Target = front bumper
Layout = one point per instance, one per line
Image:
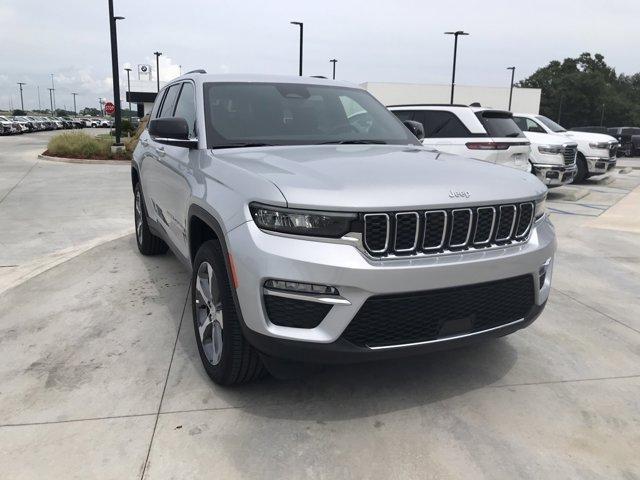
(259, 256)
(555, 175)
(600, 165)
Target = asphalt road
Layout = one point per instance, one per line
(100, 377)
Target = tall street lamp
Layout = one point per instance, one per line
(53, 89)
(128, 70)
(301, 25)
(51, 98)
(115, 71)
(513, 72)
(334, 61)
(20, 84)
(456, 34)
(157, 54)
(75, 109)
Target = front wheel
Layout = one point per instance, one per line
(226, 355)
(583, 171)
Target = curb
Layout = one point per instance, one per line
(86, 161)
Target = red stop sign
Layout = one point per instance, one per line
(109, 108)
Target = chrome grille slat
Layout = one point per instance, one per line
(569, 153)
(434, 232)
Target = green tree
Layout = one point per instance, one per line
(576, 91)
(18, 113)
(92, 112)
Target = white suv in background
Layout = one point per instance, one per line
(473, 132)
(596, 152)
(553, 157)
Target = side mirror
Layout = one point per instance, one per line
(172, 131)
(415, 127)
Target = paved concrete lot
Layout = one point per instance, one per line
(100, 377)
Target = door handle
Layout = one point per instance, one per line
(160, 151)
(144, 142)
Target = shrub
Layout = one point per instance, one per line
(81, 145)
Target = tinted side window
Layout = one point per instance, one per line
(186, 107)
(441, 124)
(170, 101)
(403, 114)
(156, 104)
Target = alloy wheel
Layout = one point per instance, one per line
(209, 316)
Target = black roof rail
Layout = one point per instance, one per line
(200, 70)
(428, 105)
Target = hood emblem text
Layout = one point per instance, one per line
(459, 194)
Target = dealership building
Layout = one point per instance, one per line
(525, 100)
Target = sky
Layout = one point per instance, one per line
(373, 40)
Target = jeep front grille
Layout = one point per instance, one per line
(569, 153)
(438, 231)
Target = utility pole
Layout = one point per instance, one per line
(51, 98)
(100, 105)
(301, 25)
(560, 108)
(157, 54)
(456, 34)
(20, 84)
(115, 71)
(53, 89)
(602, 116)
(39, 105)
(75, 109)
(128, 70)
(513, 72)
(334, 61)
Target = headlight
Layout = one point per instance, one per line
(541, 208)
(550, 149)
(599, 145)
(302, 222)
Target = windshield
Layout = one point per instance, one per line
(551, 125)
(255, 114)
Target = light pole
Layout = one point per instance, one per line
(39, 105)
(20, 84)
(602, 116)
(128, 70)
(301, 25)
(51, 98)
(53, 89)
(334, 61)
(157, 54)
(75, 109)
(115, 72)
(513, 72)
(456, 34)
(100, 105)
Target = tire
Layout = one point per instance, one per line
(583, 173)
(226, 355)
(148, 243)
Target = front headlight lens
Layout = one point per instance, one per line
(302, 222)
(541, 208)
(550, 149)
(599, 145)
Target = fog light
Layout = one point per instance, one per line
(301, 287)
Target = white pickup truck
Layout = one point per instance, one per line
(596, 152)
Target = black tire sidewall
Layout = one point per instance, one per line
(211, 252)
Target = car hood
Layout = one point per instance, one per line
(375, 177)
(590, 137)
(538, 138)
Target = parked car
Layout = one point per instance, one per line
(315, 236)
(105, 123)
(635, 145)
(623, 135)
(9, 127)
(473, 132)
(596, 152)
(23, 126)
(552, 157)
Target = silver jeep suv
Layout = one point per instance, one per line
(319, 230)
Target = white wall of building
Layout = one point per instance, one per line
(524, 99)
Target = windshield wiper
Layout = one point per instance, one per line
(245, 144)
(353, 142)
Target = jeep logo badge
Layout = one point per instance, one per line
(459, 194)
